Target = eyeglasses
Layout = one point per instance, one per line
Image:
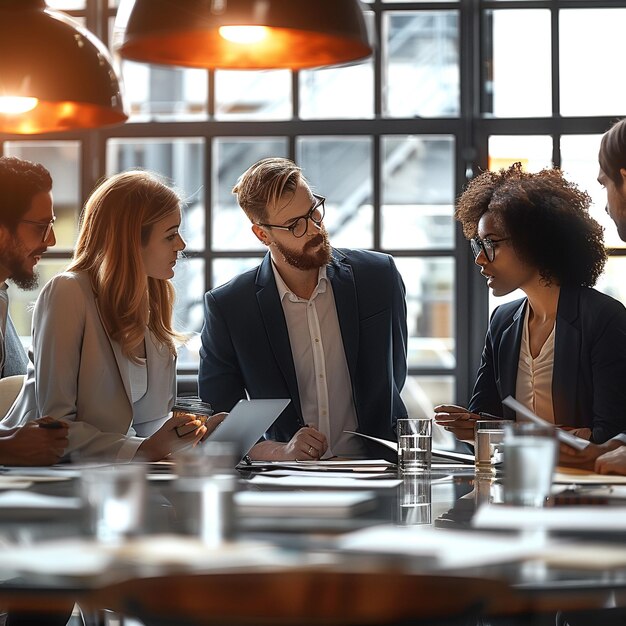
(486, 245)
(300, 224)
(46, 227)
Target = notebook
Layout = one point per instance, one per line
(247, 423)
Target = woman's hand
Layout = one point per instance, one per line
(458, 420)
(179, 431)
(212, 422)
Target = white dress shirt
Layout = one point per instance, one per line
(534, 375)
(320, 362)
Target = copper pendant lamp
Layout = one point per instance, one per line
(54, 74)
(244, 34)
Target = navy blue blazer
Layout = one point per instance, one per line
(589, 371)
(246, 350)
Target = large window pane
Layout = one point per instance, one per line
(179, 160)
(62, 159)
(579, 161)
(231, 158)
(418, 192)
(340, 168)
(421, 63)
(157, 93)
(225, 269)
(612, 281)
(518, 77)
(533, 151)
(345, 92)
(258, 95)
(189, 309)
(430, 310)
(591, 49)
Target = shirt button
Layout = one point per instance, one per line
(323, 412)
(317, 340)
(321, 375)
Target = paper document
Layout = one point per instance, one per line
(593, 518)
(444, 454)
(285, 471)
(304, 503)
(322, 481)
(330, 465)
(571, 440)
(573, 476)
(450, 548)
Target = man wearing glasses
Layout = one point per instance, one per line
(26, 219)
(322, 326)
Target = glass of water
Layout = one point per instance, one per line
(488, 438)
(414, 445)
(530, 453)
(115, 500)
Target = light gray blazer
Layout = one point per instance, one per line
(77, 373)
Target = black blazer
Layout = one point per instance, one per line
(246, 350)
(589, 375)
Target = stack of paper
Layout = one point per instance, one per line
(449, 548)
(304, 503)
(579, 518)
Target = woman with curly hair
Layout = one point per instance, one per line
(561, 350)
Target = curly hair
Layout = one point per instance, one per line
(546, 217)
(20, 181)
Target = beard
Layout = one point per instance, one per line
(13, 258)
(309, 258)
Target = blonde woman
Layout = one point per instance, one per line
(103, 356)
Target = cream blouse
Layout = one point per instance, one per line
(534, 376)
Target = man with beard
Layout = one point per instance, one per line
(26, 219)
(325, 327)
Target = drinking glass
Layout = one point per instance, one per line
(414, 444)
(488, 438)
(115, 499)
(530, 453)
(205, 487)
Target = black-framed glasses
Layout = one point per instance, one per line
(46, 227)
(486, 245)
(300, 224)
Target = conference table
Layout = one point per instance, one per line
(384, 549)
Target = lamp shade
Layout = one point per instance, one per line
(245, 34)
(54, 74)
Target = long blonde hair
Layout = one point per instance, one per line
(116, 222)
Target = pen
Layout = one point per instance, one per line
(53, 425)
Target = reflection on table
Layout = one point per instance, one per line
(332, 546)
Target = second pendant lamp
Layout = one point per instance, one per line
(243, 34)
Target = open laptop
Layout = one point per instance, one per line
(247, 422)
